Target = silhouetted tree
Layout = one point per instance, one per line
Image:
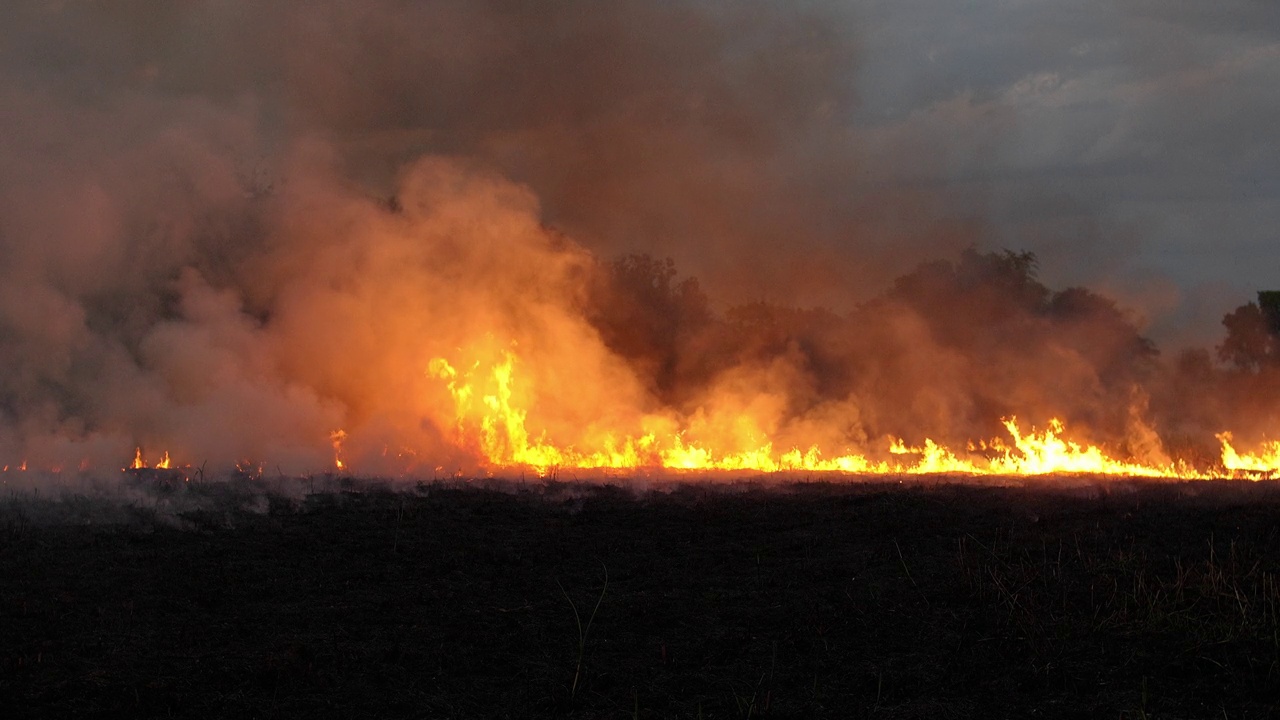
(980, 299)
(1109, 330)
(1250, 344)
(1269, 303)
(644, 314)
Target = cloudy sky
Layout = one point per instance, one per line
(1133, 145)
(802, 152)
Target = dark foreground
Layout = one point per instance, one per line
(255, 601)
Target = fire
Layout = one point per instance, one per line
(1047, 453)
(336, 438)
(499, 426)
(1264, 463)
(488, 419)
(492, 406)
(139, 463)
(450, 325)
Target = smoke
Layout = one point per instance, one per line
(230, 229)
(718, 134)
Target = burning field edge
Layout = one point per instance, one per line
(168, 495)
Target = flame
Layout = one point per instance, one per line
(1047, 452)
(492, 404)
(490, 419)
(336, 438)
(1263, 464)
(139, 463)
(494, 423)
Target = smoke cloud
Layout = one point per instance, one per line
(229, 230)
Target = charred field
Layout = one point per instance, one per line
(931, 598)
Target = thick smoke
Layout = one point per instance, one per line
(230, 229)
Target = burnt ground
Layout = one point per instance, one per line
(255, 600)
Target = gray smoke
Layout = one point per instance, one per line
(229, 228)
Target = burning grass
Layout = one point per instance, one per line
(926, 598)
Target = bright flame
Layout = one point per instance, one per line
(1048, 452)
(1265, 463)
(491, 410)
(139, 463)
(489, 419)
(336, 438)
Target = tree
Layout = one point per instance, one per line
(1108, 328)
(982, 295)
(1250, 344)
(1269, 303)
(646, 315)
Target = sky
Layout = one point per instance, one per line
(790, 152)
(1134, 146)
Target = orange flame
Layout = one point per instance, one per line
(139, 463)
(492, 404)
(489, 419)
(337, 437)
(1264, 464)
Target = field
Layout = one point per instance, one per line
(929, 599)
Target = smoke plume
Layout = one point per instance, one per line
(268, 232)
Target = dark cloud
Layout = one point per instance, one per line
(1144, 131)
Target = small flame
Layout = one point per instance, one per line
(164, 463)
(337, 437)
(138, 462)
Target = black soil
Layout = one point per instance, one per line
(1112, 600)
